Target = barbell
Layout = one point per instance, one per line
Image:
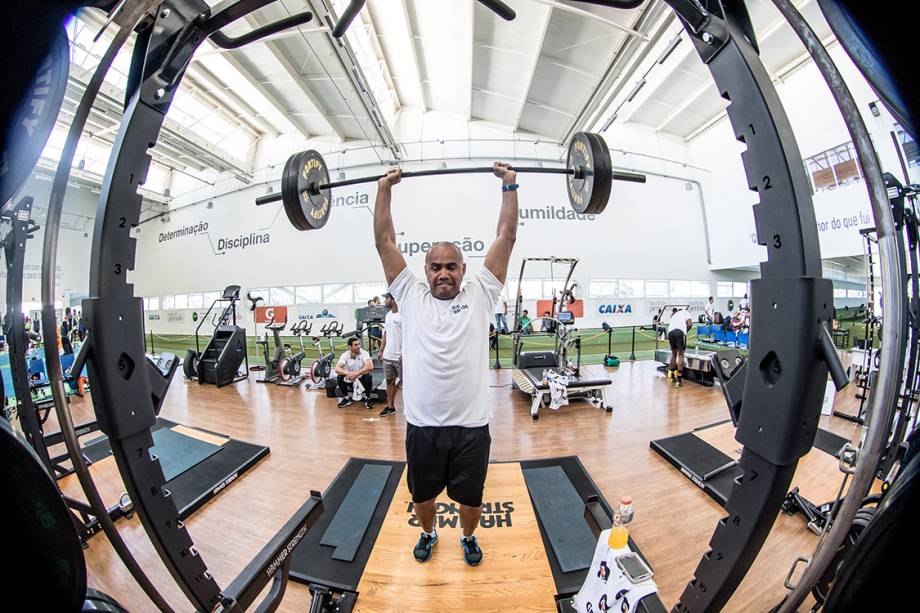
(307, 192)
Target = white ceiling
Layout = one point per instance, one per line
(560, 66)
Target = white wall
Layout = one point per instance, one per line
(817, 126)
(72, 279)
(650, 231)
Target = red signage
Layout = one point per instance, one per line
(577, 308)
(269, 314)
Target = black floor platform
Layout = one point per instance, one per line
(713, 471)
(313, 562)
(206, 478)
(568, 583)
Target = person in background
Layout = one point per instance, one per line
(391, 352)
(67, 328)
(526, 323)
(374, 333)
(37, 323)
(678, 326)
(745, 304)
(81, 327)
(710, 310)
(549, 324)
(355, 364)
(501, 317)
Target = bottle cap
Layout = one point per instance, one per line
(626, 500)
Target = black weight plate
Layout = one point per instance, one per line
(32, 123)
(42, 542)
(305, 210)
(603, 175)
(289, 195)
(589, 188)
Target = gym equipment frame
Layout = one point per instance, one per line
(781, 397)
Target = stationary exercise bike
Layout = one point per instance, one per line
(321, 369)
(272, 362)
(289, 372)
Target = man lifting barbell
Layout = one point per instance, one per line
(446, 362)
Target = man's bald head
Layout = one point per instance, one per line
(444, 245)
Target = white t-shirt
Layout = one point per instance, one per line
(678, 321)
(392, 327)
(709, 309)
(353, 364)
(446, 342)
(744, 304)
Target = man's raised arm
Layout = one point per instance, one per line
(384, 233)
(500, 252)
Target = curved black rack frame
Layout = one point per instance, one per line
(786, 370)
(123, 397)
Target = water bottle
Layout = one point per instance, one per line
(626, 509)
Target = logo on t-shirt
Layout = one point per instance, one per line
(456, 308)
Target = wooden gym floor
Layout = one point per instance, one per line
(311, 439)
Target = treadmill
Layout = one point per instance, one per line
(530, 368)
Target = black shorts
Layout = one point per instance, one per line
(678, 340)
(450, 456)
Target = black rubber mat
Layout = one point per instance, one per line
(203, 481)
(694, 456)
(828, 442)
(178, 453)
(346, 531)
(568, 583)
(561, 511)
(313, 563)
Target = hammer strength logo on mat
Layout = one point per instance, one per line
(494, 515)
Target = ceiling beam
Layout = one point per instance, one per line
(308, 93)
(215, 87)
(415, 55)
(268, 95)
(548, 14)
(686, 104)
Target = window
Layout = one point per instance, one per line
(603, 288)
(169, 302)
(181, 301)
(338, 293)
(553, 287)
(739, 289)
(724, 289)
(209, 297)
(656, 289)
(532, 289)
(679, 288)
(909, 145)
(840, 293)
(153, 303)
(632, 288)
(366, 291)
(281, 296)
(699, 289)
(311, 294)
(836, 166)
(856, 293)
(195, 301)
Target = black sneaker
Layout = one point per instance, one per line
(422, 549)
(472, 554)
(345, 401)
(368, 404)
(386, 411)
